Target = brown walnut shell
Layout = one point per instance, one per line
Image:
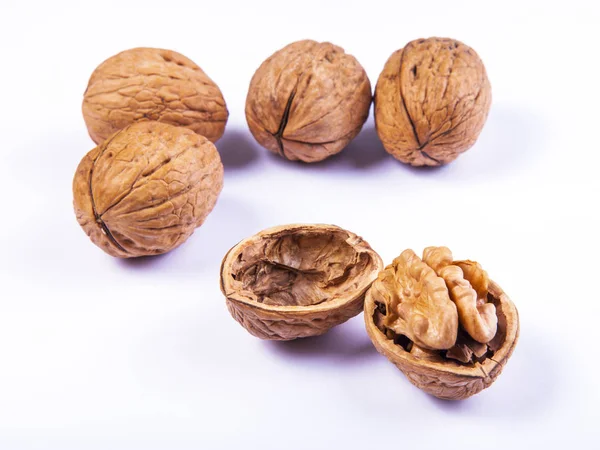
(146, 188)
(296, 281)
(449, 379)
(152, 84)
(431, 101)
(308, 101)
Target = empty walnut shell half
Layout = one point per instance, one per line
(308, 101)
(146, 188)
(145, 84)
(431, 101)
(296, 281)
(410, 288)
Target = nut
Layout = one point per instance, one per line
(146, 188)
(431, 101)
(151, 84)
(297, 281)
(468, 286)
(308, 101)
(418, 305)
(412, 287)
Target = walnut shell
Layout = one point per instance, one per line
(146, 188)
(464, 367)
(151, 84)
(308, 101)
(297, 281)
(431, 101)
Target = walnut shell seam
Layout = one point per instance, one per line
(146, 188)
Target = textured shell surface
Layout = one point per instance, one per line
(431, 101)
(151, 84)
(308, 101)
(146, 188)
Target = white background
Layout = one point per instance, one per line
(100, 353)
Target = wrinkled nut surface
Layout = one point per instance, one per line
(431, 101)
(151, 84)
(418, 303)
(308, 101)
(146, 188)
(407, 315)
(295, 281)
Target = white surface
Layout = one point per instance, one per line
(98, 353)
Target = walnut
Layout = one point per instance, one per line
(477, 317)
(468, 286)
(296, 281)
(417, 301)
(146, 188)
(151, 84)
(484, 324)
(308, 101)
(431, 101)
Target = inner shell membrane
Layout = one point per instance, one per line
(301, 268)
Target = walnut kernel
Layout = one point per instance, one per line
(483, 326)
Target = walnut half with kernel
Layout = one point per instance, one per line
(443, 323)
(146, 188)
(296, 281)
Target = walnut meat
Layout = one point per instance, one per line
(296, 281)
(308, 101)
(151, 84)
(419, 306)
(484, 324)
(431, 101)
(146, 188)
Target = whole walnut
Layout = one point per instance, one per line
(431, 101)
(151, 84)
(146, 188)
(308, 101)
